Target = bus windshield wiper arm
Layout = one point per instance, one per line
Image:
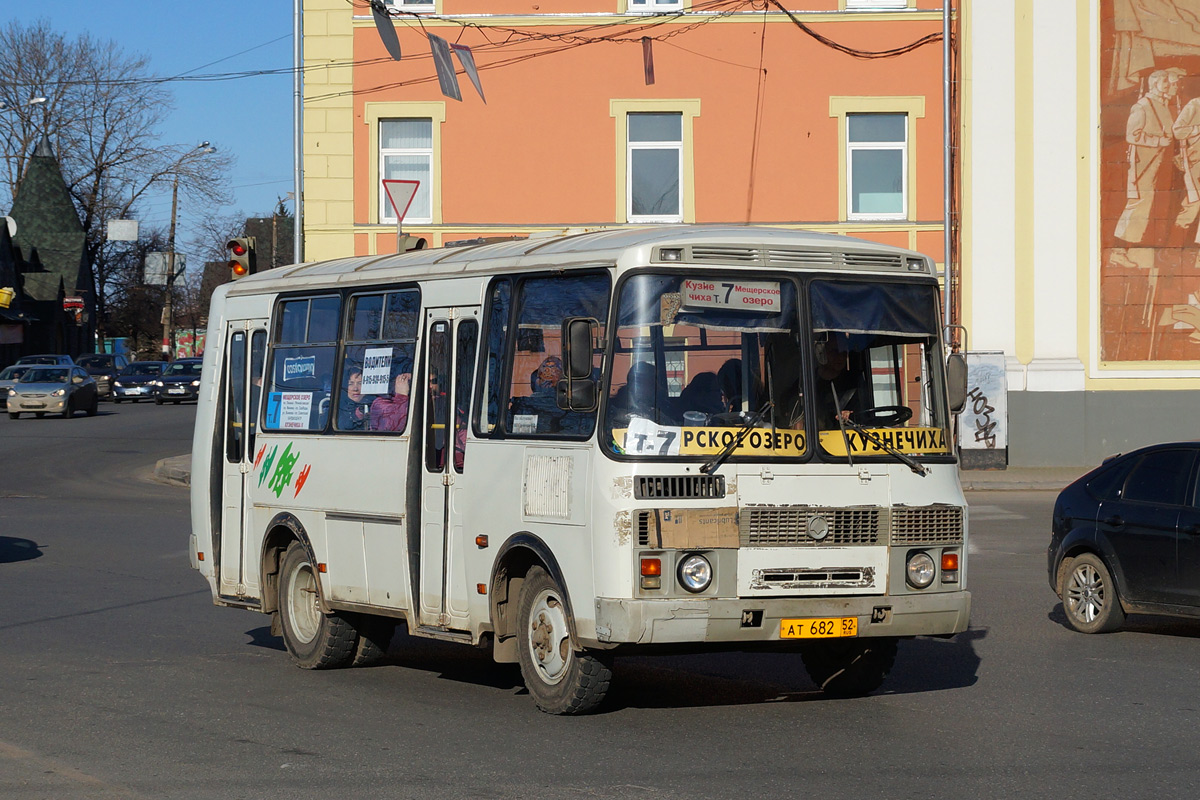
(882, 445)
(748, 424)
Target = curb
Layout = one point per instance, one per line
(174, 471)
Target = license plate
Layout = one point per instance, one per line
(824, 628)
(176, 391)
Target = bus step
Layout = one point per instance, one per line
(461, 637)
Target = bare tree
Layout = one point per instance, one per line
(102, 113)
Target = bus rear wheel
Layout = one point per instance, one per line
(560, 679)
(849, 667)
(315, 640)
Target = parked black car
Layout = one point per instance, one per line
(180, 380)
(136, 382)
(104, 367)
(1126, 539)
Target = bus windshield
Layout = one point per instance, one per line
(696, 359)
(878, 379)
(718, 363)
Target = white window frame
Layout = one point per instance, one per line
(888, 5)
(855, 147)
(631, 147)
(387, 214)
(428, 7)
(652, 6)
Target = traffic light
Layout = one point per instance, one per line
(242, 261)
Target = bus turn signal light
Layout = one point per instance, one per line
(950, 567)
(651, 573)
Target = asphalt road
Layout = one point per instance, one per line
(119, 679)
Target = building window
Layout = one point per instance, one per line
(877, 166)
(653, 6)
(406, 152)
(655, 167)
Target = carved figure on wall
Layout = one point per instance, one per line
(1150, 181)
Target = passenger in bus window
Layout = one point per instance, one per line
(637, 397)
(354, 410)
(390, 412)
(701, 396)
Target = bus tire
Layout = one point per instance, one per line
(560, 679)
(849, 667)
(314, 640)
(374, 636)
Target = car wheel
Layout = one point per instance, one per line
(314, 640)
(14, 415)
(177, 402)
(560, 679)
(68, 409)
(94, 408)
(849, 667)
(116, 399)
(39, 414)
(1090, 597)
(158, 401)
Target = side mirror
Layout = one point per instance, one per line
(78, 379)
(577, 391)
(956, 381)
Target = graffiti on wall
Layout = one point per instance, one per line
(1150, 180)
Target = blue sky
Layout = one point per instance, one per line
(250, 118)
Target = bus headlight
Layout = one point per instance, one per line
(920, 570)
(695, 573)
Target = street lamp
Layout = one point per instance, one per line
(168, 315)
(33, 101)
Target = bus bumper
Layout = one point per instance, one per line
(758, 620)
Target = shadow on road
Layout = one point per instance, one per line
(1139, 623)
(691, 681)
(18, 550)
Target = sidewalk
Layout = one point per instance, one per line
(177, 472)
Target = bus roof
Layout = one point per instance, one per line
(709, 245)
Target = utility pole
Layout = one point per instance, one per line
(168, 342)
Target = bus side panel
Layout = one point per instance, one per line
(348, 492)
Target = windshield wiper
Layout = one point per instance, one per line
(882, 445)
(748, 424)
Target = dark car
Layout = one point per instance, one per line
(1126, 539)
(180, 380)
(136, 382)
(48, 360)
(104, 367)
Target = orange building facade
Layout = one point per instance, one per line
(755, 114)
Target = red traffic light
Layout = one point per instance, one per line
(237, 248)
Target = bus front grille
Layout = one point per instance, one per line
(811, 526)
(927, 525)
(679, 487)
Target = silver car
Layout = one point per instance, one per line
(8, 377)
(53, 390)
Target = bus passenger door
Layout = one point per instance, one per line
(243, 391)
(451, 341)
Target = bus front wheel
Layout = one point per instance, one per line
(560, 679)
(849, 667)
(315, 640)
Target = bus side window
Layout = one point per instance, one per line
(301, 372)
(490, 402)
(543, 303)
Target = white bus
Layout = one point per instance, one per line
(672, 438)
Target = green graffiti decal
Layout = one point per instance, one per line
(282, 478)
(266, 467)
